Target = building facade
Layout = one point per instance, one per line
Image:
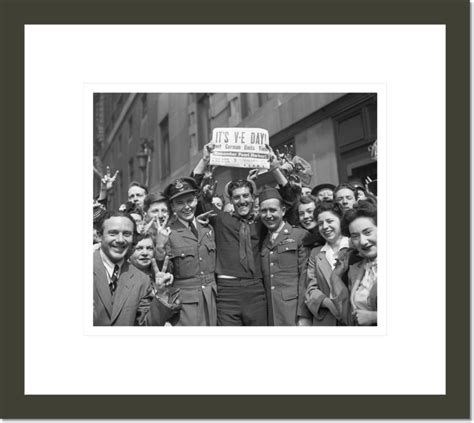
(154, 138)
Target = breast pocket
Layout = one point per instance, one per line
(184, 262)
(287, 255)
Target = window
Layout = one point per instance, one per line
(204, 124)
(131, 173)
(165, 148)
(130, 128)
(144, 105)
(120, 146)
(244, 106)
(356, 130)
(120, 186)
(262, 99)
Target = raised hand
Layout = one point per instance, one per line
(203, 218)
(207, 150)
(162, 231)
(253, 174)
(209, 190)
(107, 180)
(273, 158)
(163, 280)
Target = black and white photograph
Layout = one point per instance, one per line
(235, 209)
(234, 178)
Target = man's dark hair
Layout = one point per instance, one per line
(345, 185)
(363, 208)
(239, 183)
(139, 185)
(115, 213)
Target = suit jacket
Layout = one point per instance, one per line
(284, 272)
(193, 263)
(319, 273)
(342, 294)
(132, 304)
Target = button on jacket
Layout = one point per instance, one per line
(193, 262)
(284, 271)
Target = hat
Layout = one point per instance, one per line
(151, 198)
(357, 183)
(180, 187)
(268, 194)
(320, 187)
(99, 211)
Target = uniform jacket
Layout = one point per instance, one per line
(284, 271)
(319, 272)
(132, 304)
(193, 263)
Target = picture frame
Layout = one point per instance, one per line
(455, 404)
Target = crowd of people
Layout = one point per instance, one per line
(281, 253)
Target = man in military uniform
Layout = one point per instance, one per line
(284, 259)
(192, 250)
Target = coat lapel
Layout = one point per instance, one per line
(184, 231)
(356, 272)
(101, 283)
(124, 286)
(325, 268)
(282, 235)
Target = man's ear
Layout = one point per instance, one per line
(283, 209)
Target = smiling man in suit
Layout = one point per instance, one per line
(123, 295)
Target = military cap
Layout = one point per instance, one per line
(268, 194)
(180, 187)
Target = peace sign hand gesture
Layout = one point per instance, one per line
(107, 181)
(163, 280)
(203, 218)
(162, 232)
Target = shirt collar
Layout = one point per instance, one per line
(109, 266)
(344, 244)
(186, 223)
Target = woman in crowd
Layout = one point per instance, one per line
(143, 254)
(361, 224)
(321, 263)
(305, 207)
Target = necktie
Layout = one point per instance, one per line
(245, 247)
(193, 229)
(114, 279)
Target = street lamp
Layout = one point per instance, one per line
(144, 158)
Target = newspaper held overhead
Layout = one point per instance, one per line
(240, 147)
